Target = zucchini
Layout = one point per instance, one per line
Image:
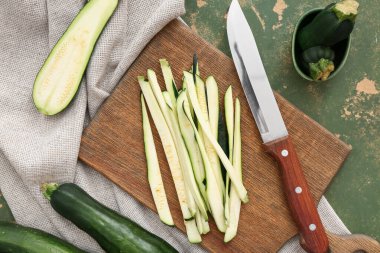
(320, 62)
(59, 78)
(170, 116)
(19, 239)
(314, 54)
(229, 115)
(194, 153)
(154, 173)
(235, 202)
(168, 145)
(206, 129)
(330, 26)
(214, 195)
(169, 80)
(321, 70)
(113, 232)
(185, 199)
(212, 155)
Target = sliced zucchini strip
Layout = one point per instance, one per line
(212, 155)
(235, 202)
(169, 80)
(229, 115)
(236, 180)
(171, 118)
(214, 196)
(168, 145)
(154, 173)
(193, 150)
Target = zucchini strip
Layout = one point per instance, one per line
(229, 115)
(236, 180)
(168, 145)
(214, 196)
(169, 80)
(170, 116)
(192, 231)
(212, 155)
(235, 202)
(184, 86)
(194, 152)
(154, 173)
(185, 162)
(198, 221)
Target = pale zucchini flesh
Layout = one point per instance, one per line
(212, 155)
(192, 231)
(154, 174)
(170, 115)
(236, 180)
(193, 149)
(169, 80)
(214, 195)
(185, 162)
(59, 78)
(235, 202)
(168, 145)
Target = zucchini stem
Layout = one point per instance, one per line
(48, 189)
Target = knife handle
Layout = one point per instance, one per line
(301, 203)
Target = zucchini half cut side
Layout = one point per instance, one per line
(59, 78)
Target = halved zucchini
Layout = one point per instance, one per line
(61, 74)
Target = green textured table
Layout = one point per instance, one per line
(348, 105)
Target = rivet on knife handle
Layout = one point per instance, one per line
(313, 236)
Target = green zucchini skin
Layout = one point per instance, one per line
(314, 54)
(19, 239)
(113, 232)
(326, 29)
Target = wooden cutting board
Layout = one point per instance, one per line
(113, 145)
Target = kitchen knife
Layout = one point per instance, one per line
(276, 140)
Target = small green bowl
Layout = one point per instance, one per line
(341, 49)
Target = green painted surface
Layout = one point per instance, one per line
(337, 105)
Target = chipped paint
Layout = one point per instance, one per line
(279, 9)
(367, 86)
(201, 3)
(258, 15)
(354, 109)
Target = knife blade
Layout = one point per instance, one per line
(276, 139)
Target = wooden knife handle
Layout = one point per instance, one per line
(301, 203)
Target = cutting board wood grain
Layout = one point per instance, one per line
(113, 145)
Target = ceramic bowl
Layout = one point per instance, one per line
(341, 49)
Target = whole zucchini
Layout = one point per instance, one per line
(330, 26)
(113, 232)
(18, 239)
(314, 54)
(319, 61)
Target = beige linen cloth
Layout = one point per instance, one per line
(35, 148)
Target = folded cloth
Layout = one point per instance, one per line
(35, 148)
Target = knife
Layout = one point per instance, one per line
(277, 141)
